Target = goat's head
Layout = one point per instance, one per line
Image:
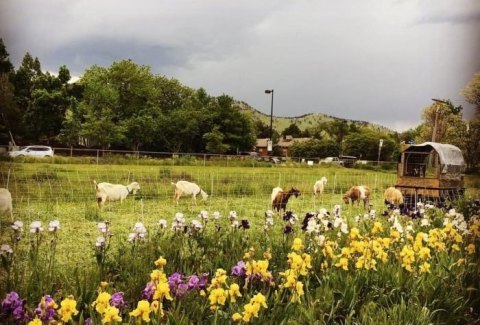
(133, 187)
(346, 197)
(294, 191)
(204, 195)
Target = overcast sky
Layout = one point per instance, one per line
(373, 60)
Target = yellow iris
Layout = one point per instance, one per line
(297, 244)
(142, 311)
(343, 263)
(68, 308)
(102, 302)
(234, 292)
(161, 262)
(425, 268)
(111, 315)
(470, 249)
(36, 321)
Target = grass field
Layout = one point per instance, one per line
(65, 192)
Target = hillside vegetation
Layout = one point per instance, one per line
(305, 121)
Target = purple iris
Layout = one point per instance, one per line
(239, 269)
(287, 230)
(193, 281)
(181, 290)
(203, 280)
(287, 216)
(117, 300)
(174, 280)
(48, 313)
(180, 285)
(13, 305)
(148, 292)
(245, 224)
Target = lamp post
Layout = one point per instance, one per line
(270, 91)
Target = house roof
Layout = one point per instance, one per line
(262, 143)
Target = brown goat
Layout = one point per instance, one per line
(280, 200)
(357, 193)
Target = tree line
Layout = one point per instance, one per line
(121, 106)
(126, 106)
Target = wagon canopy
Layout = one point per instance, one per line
(450, 157)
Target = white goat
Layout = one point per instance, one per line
(319, 186)
(6, 202)
(184, 188)
(114, 192)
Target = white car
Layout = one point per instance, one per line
(32, 151)
(332, 161)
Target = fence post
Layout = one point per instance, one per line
(97, 155)
(8, 177)
(334, 183)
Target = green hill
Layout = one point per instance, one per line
(305, 121)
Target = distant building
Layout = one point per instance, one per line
(284, 144)
(261, 147)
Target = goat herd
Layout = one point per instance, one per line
(279, 198)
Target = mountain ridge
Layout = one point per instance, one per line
(305, 121)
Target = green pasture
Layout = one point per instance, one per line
(45, 191)
(48, 191)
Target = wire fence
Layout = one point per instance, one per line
(106, 156)
(59, 181)
(69, 176)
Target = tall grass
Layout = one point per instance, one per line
(68, 261)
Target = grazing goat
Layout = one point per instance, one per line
(357, 193)
(114, 192)
(393, 196)
(319, 186)
(279, 202)
(184, 188)
(6, 202)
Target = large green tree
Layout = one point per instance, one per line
(118, 106)
(10, 118)
(49, 102)
(236, 127)
(441, 118)
(471, 92)
(292, 130)
(365, 145)
(469, 140)
(315, 148)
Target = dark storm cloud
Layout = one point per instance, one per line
(103, 52)
(455, 18)
(368, 60)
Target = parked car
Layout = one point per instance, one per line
(32, 151)
(332, 161)
(348, 161)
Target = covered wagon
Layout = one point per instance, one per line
(430, 172)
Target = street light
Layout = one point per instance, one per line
(270, 91)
